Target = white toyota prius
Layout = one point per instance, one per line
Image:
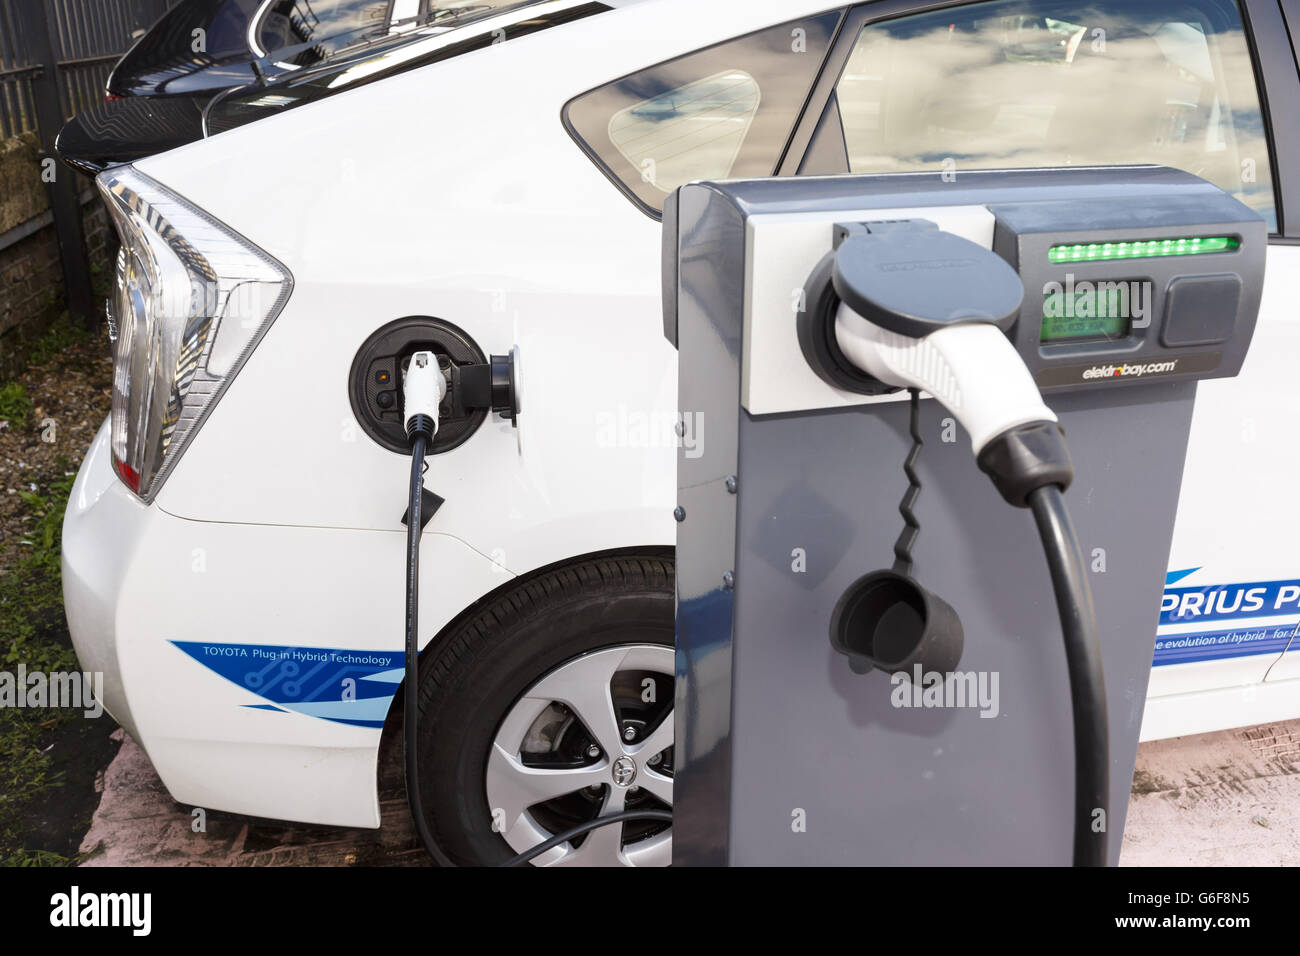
(234, 546)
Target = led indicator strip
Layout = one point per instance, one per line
(1140, 249)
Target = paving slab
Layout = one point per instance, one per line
(1223, 799)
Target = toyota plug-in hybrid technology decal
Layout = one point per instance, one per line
(346, 686)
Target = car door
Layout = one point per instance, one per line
(1009, 83)
(1283, 678)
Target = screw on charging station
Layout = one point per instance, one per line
(679, 513)
(731, 484)
(729, 580)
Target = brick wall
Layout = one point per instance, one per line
(31, 278)
(101, 243)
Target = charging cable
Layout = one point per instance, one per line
(975, 372)
(903, 304)
(425, 386)
(1083, 661)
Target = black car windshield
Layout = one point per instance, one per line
(383, 57)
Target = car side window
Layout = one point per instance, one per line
(724, 111)
(1017, 83)
(287, 23)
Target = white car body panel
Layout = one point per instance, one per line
(215, 744)
(398, 199)
(1235, 527)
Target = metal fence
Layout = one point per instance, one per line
(86, 37)
(55, 57)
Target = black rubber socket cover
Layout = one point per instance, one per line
(913, 281)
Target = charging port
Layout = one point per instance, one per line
(475, 384)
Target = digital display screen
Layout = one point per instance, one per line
(1102, 310)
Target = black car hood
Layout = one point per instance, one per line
(122, 131)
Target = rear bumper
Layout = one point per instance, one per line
(180, 617)
(101, 531)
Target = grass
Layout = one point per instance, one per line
(31, 592)
(64, 332)
(36, 858)
(33, 630)
(31, 618)
(15, 406)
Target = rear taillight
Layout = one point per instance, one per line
(191, 300)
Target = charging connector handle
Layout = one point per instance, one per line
(971, 368)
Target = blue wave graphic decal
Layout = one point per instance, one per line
(1173, 577)
(346, 686)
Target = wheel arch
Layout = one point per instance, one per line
(389, 764)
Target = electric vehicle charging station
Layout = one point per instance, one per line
(803, 311)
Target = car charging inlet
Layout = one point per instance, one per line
(476, 384)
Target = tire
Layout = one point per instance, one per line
(472, 687)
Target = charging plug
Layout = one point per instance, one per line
(424, 386)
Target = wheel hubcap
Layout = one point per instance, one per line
(624, 771)
(591, 738)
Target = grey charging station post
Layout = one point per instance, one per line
(785, 753)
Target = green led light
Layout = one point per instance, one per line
(1141, 249)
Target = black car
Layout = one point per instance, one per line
(127, 128)
(205, 46)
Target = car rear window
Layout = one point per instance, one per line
(724, 111)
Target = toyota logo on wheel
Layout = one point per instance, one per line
(623, 771)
